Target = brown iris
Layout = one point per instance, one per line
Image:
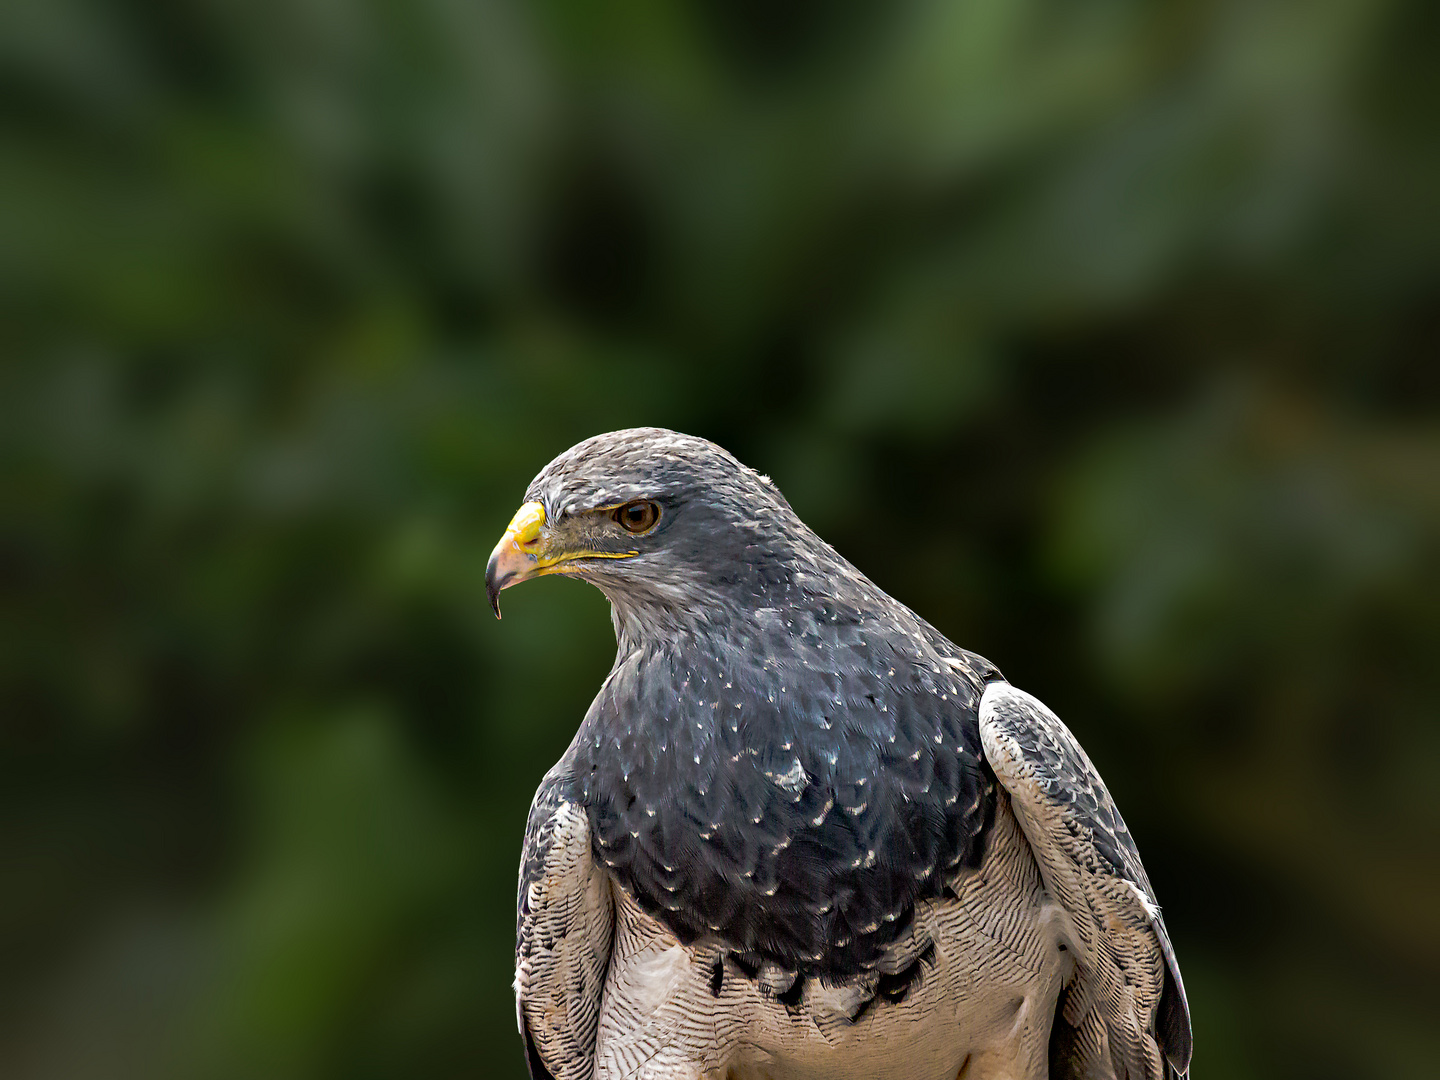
(638, 516)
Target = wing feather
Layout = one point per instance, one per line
(1125, 1011)
(564, 925)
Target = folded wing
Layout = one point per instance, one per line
(563, 934)
(1123, 1015)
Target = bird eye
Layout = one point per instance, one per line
(637, 517)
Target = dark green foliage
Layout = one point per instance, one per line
(1104, 335)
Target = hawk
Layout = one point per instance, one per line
(799, 833)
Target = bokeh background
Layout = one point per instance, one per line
(1106, 335)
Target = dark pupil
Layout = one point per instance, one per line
(635, 515)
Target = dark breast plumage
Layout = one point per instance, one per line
(794, 786)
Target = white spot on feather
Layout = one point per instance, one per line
(651, 979)
(792, 779)
(1152, 909)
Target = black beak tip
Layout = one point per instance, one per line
(493, 587)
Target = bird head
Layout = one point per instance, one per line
(660, 522)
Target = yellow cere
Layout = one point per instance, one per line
(525, 525)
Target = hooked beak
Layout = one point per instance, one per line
(517, 555)
(523, 552)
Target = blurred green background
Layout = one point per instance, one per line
(1106, 335)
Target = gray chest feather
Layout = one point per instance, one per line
(796, 795)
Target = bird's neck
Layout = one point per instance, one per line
(649, 619)
(741, 605)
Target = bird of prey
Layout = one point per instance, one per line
(799, 833)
